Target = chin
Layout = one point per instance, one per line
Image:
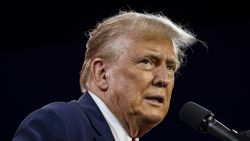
(154, 118)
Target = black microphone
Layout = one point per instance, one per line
(201, 119)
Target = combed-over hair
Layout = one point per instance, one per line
(137, 26)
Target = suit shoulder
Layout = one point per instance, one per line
(61, 107)
(54, 121)
(63, 110)
(53, 113)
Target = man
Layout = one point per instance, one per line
(126, 79)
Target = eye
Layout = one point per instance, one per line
(147, 63)
(171, 67)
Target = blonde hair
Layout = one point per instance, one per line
(137, 26)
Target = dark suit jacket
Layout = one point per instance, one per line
(73, 121)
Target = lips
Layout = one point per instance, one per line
(156, 98)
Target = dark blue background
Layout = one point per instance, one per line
(43, 49)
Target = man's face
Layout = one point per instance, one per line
(141, 81)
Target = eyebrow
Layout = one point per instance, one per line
(152, 53)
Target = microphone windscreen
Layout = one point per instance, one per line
(192, 114)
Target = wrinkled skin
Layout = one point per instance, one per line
(139, 83)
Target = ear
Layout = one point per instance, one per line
(99, 67)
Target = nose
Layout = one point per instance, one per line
(162, 77)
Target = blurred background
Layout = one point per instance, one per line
(43, 45)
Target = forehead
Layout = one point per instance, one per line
(160, 47)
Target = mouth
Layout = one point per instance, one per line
(155, 99)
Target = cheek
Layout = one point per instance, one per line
(135, 79)
(147, 77)
(130, 83)
(137, 82)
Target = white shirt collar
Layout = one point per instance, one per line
(119, 133)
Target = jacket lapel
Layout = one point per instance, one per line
(97, 120)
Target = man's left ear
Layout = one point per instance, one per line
(99, 73)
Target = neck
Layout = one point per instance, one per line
(136, 126)
(131, 122)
